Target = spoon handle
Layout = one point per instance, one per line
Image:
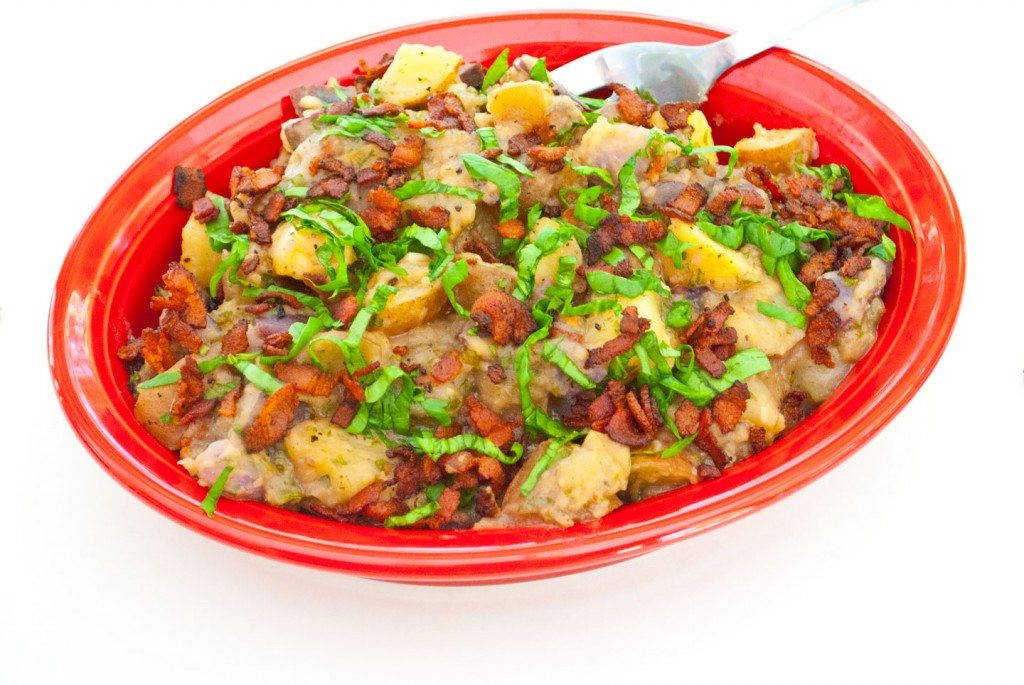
(728, 52)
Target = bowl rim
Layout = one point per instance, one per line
(457, 557)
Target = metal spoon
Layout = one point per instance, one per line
(672, 72)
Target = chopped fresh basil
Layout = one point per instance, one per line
(435, 448)
(258, 377)
(497, 69)
(673, 248)
(209, 503)
(790, 316)
(218, 390)
(455, 274)
(488, 138)
(553, 353)
(796, 292)
(417, 514)
(679, 314)
(554, 449)
(590, 103)
(829, 174)
(539, 71)
(728, 234)
(601, 174)
(506, 181)
(642, 280)
(874, 207)
(629, 188)
(296, 191)
(429, 186)
(733, 155)
(885, 250)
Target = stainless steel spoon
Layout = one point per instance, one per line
(672, 72)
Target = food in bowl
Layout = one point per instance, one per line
(460, 298)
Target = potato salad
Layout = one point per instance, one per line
(459, 297)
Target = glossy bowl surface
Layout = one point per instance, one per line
(115, 261)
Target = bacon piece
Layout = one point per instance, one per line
(791, 407)
(408, 153)
(758, 438)
(632, 108)
(229, 402)
(822, 331)
(728, 407)
(712, 341)
(336, 166)
(631, 327)
(819, 263)
(352, 386)
(854, 265)
(825, 290)
(197, 411)
(496, 373)
(370, 73)
(490, 424)
(274, 207)
(707, 471)
(431, 217)
(380, 140)
(446, 111)
(271, 423)
(190, 388)
(690, 201)
(204, 210)
(236, 340)
(334, 187)
(284, 298)
(687, 418)
(676, 113)
(521, 142)
(342, 107)
(384, 109)
(277, 344)
(255, 182)
(183, 296)
(188, 186)
(448, 504)
(601, 410)
(761, 176)
(504, 317)
(552, 158)
(383, 214)
(447, 367)
(305, 378)
(131, 350)
(180, 332)
(378, 171)
(513, 229)
(344, 414)
(487, 468)
(259, 232)
(639, 232)
(707, 442)
(156, 350)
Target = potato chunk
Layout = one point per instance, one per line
(524, 102)
(418, 299)
(417, 72)
(708, 262)
(331, 464)
(196, 254)
(779, 149)
(293, 254)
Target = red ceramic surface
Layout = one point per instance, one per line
(104, 287)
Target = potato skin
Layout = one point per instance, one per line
(779, 149)
(416, 72)
(418, 299)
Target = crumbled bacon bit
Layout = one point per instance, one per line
(344, 414)
(728, 407)
(758, 438)
(412, 472)
(188, 186)
(822, 331)
(521, 142)
(384, 109)
(378, 171)
(336, 166)
(364, 498)
(431, 217)
(504, 317)
(676, 113)
(277, 344)
(761, 176)
(352, 386)
(271, 423)
(496, 373)
(687, 418)
(706, 441)
(259, 308)
(712, 341)
(487, 468)
(854, 265)
(400, 350)
(236, 340)
(305, 378)
(447, 367)
(448, 504)
(707, 471)
(274, 207)
(183, 295)
(259, 232)
(601, 410)
(513, 229)
(204, 210)
(380, 140)
(256, 182)
(382, 214)
(722, 202)
(634, 419)
(407, 153)
(190, 388)
(342, 107)
(156, 350)
(819, 263)
(633, 108)
(229, 402)
(624, 231)
(370, 73)
(446, 111)
(631, 327)
(490, 424)
(689, 202)
(248, 264)
(553, 158)
(334, 187)
(179, 331)
(344, 309)
(791, 407)
(131, 350)
(197, 411)
(825, 291)
(275, 296)
(366, 370)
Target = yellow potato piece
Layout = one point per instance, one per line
(778, 149)
(293, 253)
(708, 262)
(331, 464)
(701, 136)
(418, 299)
(522, 102)
(416, 73)
(196, 254)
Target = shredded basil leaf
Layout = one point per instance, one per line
(793, 318)
(590, 103)
(885, 250)
(455, 274)
(679, 314)
(209, 503)
(429, 186)
(629, 188)
(435, 448)
(829, 174)
(552, 352)
(796, 292)
(258, 377)
(417, 514)
(218, 390)
(539, 71)
(506, 180)
(874, 207)
(545, 461)
(601, 174)
(494, 72)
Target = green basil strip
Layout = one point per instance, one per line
(629, 188)
(258, 377)
(296, 191)
(218, 390)
(497, 69)
(539, 71)
(601, 174)
(600, 304)
(455, 274)
(209, 503)
(874, 207)
(219, 230)
(679, 314)
(885, 250)
(829, 174)
(552, 352)
(796, 292)
(678, 446)
(488, 138)
(590, 103)
(388, 375)
(425, 510)
(733, 155)
(436, 448)
(506, 180)
(790, 316)
(431, 186)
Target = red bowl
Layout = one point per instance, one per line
(111, 268)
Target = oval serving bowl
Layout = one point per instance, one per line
(104, 286)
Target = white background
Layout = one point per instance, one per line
(902, 565)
